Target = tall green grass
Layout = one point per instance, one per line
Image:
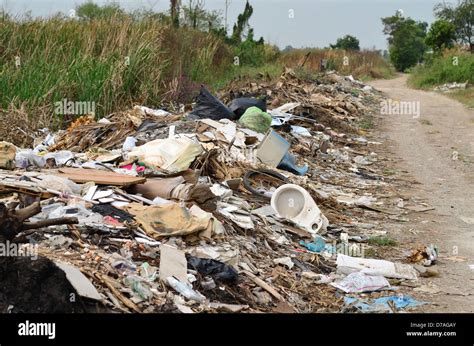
(113, 62)
(444, 69)
(121, 61)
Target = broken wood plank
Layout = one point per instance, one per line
(81, 175)
(111, 285)
(264, 285)
(7, 188)
(418, 209)
(379, 210)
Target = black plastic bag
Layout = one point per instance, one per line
(209, 107)
(241, 104)
(219, 271)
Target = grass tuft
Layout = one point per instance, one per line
(382, 241)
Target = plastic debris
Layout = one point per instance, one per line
(173, 155)
(286, 261)
(255, 119)
(208, 106)
(240, 105)
(426, 256)
(185, 290)
(382, 304)
(317, 245)
(359, 282)
(165, 206)
(288, 163)
(348, 264)
(219, 271)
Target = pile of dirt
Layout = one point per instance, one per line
(35, 286)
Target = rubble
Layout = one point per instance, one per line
(426, 256)
(451, 86)
(149, 211)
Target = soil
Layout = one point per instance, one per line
(434, 153)
(35, 286)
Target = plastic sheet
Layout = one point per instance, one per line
(241, 104)
(208, 106)
(256, 120)
(219, 271)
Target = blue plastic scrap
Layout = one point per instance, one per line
(288, 163)
(317, 246)
(381, 304)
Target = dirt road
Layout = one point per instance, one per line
(424, 149)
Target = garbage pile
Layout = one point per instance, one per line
(264, 205)
(451, 86)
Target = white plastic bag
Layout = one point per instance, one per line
(359, 282)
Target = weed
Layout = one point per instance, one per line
(382, 241)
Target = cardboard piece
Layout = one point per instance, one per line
(173, 263)
(79, 281)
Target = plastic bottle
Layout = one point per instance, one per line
(138, 286)
(185, 290)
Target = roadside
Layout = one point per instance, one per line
(434, 155)
(365, 187)
(465, 96)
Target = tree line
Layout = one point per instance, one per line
(410, 40)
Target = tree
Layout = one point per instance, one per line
(174, 12)
(194, 11)
(442, 34)
(347, 42)
(462, 17)
(4, 15)
(406, 40)
(90, 10)
(196, 17)
(242, 23)
(250, 51)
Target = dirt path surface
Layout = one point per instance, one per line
(423, 150)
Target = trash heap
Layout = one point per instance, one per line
(447, 87)
(260, 206)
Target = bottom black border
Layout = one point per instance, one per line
(303, 329)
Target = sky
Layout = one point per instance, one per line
(299, 23)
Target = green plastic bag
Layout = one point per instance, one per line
(255, 119)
